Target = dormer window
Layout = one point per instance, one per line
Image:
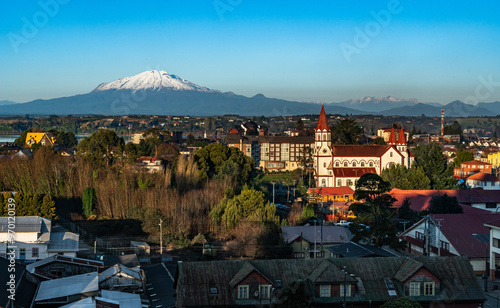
(264, 291)
(429, 288)
(324, 290)
(243, 291)
(346, 289)
(414, 289)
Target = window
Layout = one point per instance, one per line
(339, 183)
(243, 292)
(419, 235)
(354, 164)
(324, 164)
(324, 290)
(414, 289)
(390, 154)
(429, 288)
(371, 164)
(491, 205)
(337, 164)
(34, 252)
(22, 253)
(264, 291)
(347, 290)
(349, 183)
(445, 245)
(345, 164)
(362, 164)
(323, 182)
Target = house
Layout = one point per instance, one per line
(58, 266)
(22, 155)
(486, 181)
(445, 282)
(121, 278)
(306, 240)
(494, 246)
(356, 250)
(478, 199)
(343, 165)
(150, 164)
(471, 167)
(67, 290)
(42, 138)
(109, 299)
(24, 284)
(325, 194)
(451, 235)
(36, 238)
(494, 159)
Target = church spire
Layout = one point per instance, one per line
(322, 121)
(392, 138)
(402, 139)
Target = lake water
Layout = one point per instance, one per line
(11, 138)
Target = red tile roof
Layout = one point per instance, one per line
(352, 172)
(322, 121)
(484, 177)
(333, 191)
(359, 150)
(476, 162)
(150, 158)
(420, 199)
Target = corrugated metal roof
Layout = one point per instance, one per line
(67, 286)
(329, 234)
(407, 268)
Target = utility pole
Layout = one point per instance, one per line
(438, 222)
(288, 195)
(161, 239)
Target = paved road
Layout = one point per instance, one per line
(160, 285)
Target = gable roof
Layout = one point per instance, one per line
(67, 286)
(64, 259)
(407, 268)
(195, 279)
(483, 177)
(332, 191)
(243, 272)
(358, 150)
(329, 234)
(326, 272)
(322, 121)
(347, 172)
(475, 162)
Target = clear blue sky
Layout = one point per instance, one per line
(430, 50)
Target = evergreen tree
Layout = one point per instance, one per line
(403, 178)
(48, 208)
(88, 201)
(435, 166)
(346, 131)
(462, 157)
(2, 205)
(444, 204)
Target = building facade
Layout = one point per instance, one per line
(343, 165)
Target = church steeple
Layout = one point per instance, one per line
(322, 121)
(392, 138)
(402, 138)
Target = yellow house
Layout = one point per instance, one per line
(494, 160)
(44, 139)
(325, 194)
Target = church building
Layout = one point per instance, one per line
(342, 165)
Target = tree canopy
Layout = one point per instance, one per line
(435, 166)
(101, 144)
(346, 131)
(462, 157)
(403, 178)
(444, 205)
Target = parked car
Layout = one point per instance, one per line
(344, 223)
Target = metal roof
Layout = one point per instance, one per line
(67, 286)
(326, 234)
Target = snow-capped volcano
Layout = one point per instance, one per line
(152, 81)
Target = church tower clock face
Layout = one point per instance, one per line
(324, 151)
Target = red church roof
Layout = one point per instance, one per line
(322, 121)
(392, 138)
(352, 172)
(402, 139)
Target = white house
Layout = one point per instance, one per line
(484, 180)
(36, 238)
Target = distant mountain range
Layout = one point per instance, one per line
(159, 93)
